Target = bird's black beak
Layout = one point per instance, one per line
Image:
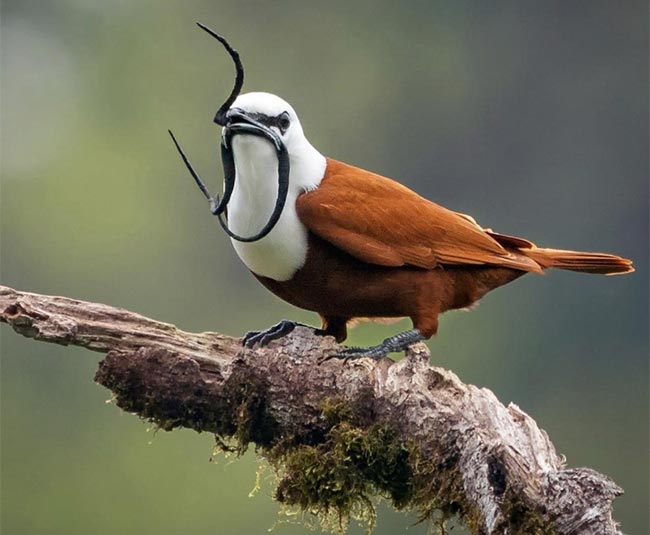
(239, 122)
(235, 115)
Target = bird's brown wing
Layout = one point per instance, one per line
(379, 221)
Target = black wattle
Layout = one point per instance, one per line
(228, 161)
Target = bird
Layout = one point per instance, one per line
(351, 244)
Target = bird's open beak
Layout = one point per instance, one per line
(238, 122)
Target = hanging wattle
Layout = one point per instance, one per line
(284, 169)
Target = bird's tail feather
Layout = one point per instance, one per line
(600, 263)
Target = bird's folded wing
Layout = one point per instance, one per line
(379, 221)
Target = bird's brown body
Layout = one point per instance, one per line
(341, 288)
(378, 250)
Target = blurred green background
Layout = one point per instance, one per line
(531, 116)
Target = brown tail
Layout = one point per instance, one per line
(602, 263)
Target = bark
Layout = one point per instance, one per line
(460, 450)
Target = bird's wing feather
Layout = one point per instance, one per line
(379, 221)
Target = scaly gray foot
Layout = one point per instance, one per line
(399, 342)
(276, 332)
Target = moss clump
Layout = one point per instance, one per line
(352, 465)
(522, 519)
(337, 477)
(346, 470)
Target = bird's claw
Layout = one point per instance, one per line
(263, 338)
(399, 342)
(355, 353)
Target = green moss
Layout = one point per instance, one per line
(356, 460)
(344, 472)
(522, 519)
(335, 411)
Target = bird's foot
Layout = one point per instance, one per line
(399, 342)
(279, 330)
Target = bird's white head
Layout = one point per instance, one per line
(307, 164)
(271, 111)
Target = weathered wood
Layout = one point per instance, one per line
(486, 462)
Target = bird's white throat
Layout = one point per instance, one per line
(284, 250)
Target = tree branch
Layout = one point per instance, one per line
(337, 433)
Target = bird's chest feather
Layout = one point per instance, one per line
(278, 255)
(284, 250)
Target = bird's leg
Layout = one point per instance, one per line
(399, 342)
(276, 332)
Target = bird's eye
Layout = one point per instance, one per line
(284, 122)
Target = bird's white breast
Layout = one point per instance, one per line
(284, 250)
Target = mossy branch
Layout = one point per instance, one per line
(337, 433)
